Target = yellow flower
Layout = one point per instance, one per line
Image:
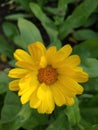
(47, 77)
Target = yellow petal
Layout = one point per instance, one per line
(80, 76)
(37, 50)
(65, 91)
(30, 81)
(14, 85)
(60, 56)
(43, 62)
(79, 68)
(73, 60)
(17, 73)
(69, 101)
(21, 55)
(26, 95)
(34, 101)
(47, 103)
(50, 54)
(75, 73)
(71, 85)
(64, 52)
(25, 65)
(65, 70)
(58, 95)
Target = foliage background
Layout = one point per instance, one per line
(53, 22)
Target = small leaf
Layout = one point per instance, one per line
(94, 100)
(90, 114)
(10, 30)
(73, 113)
(4, 80)
(18, 119)
(78, 17)
(85, 124)
(11, 107)
(92, 85)
(37, 119)
(6, 48)
(90, 65)
(17, 16)
(29, 32)
(66, 1)
(19, 41)
(47, 23)
(94, 127)
(56, 43)
(24, 4)
(91, 20)
(60, 123)
(22, 116)
(84, 34)
(24, 113)
(87, 48)
(61, 11)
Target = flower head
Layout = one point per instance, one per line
(46, 77)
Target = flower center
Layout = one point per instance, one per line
(48, 75)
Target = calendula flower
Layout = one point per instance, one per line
(46, 77)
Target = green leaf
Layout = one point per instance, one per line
(29, 32)
(87, 48)
(94, 100)
(84, 34)
(24, 113)
(10, 30)
(41, 3)
(56, 43)
(11, 107)
(66, 1)
(91, 20)
(19, 118)
(90, 114)
(90, 65)
(28, 124)
(60, 123)
(37, 119)
(92, 85)
(7, 126)
(73, 113)
(78, 17)
(19, 41)
(1, 126)
(17, 16)
(94, 127)
(6, 48)
(4, 80)
(46, 21)
(23, 4)
(61, 11)
(85, 124)
(22, 116)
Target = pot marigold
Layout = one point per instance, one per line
(46, 77)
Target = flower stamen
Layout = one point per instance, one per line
(47, 75)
